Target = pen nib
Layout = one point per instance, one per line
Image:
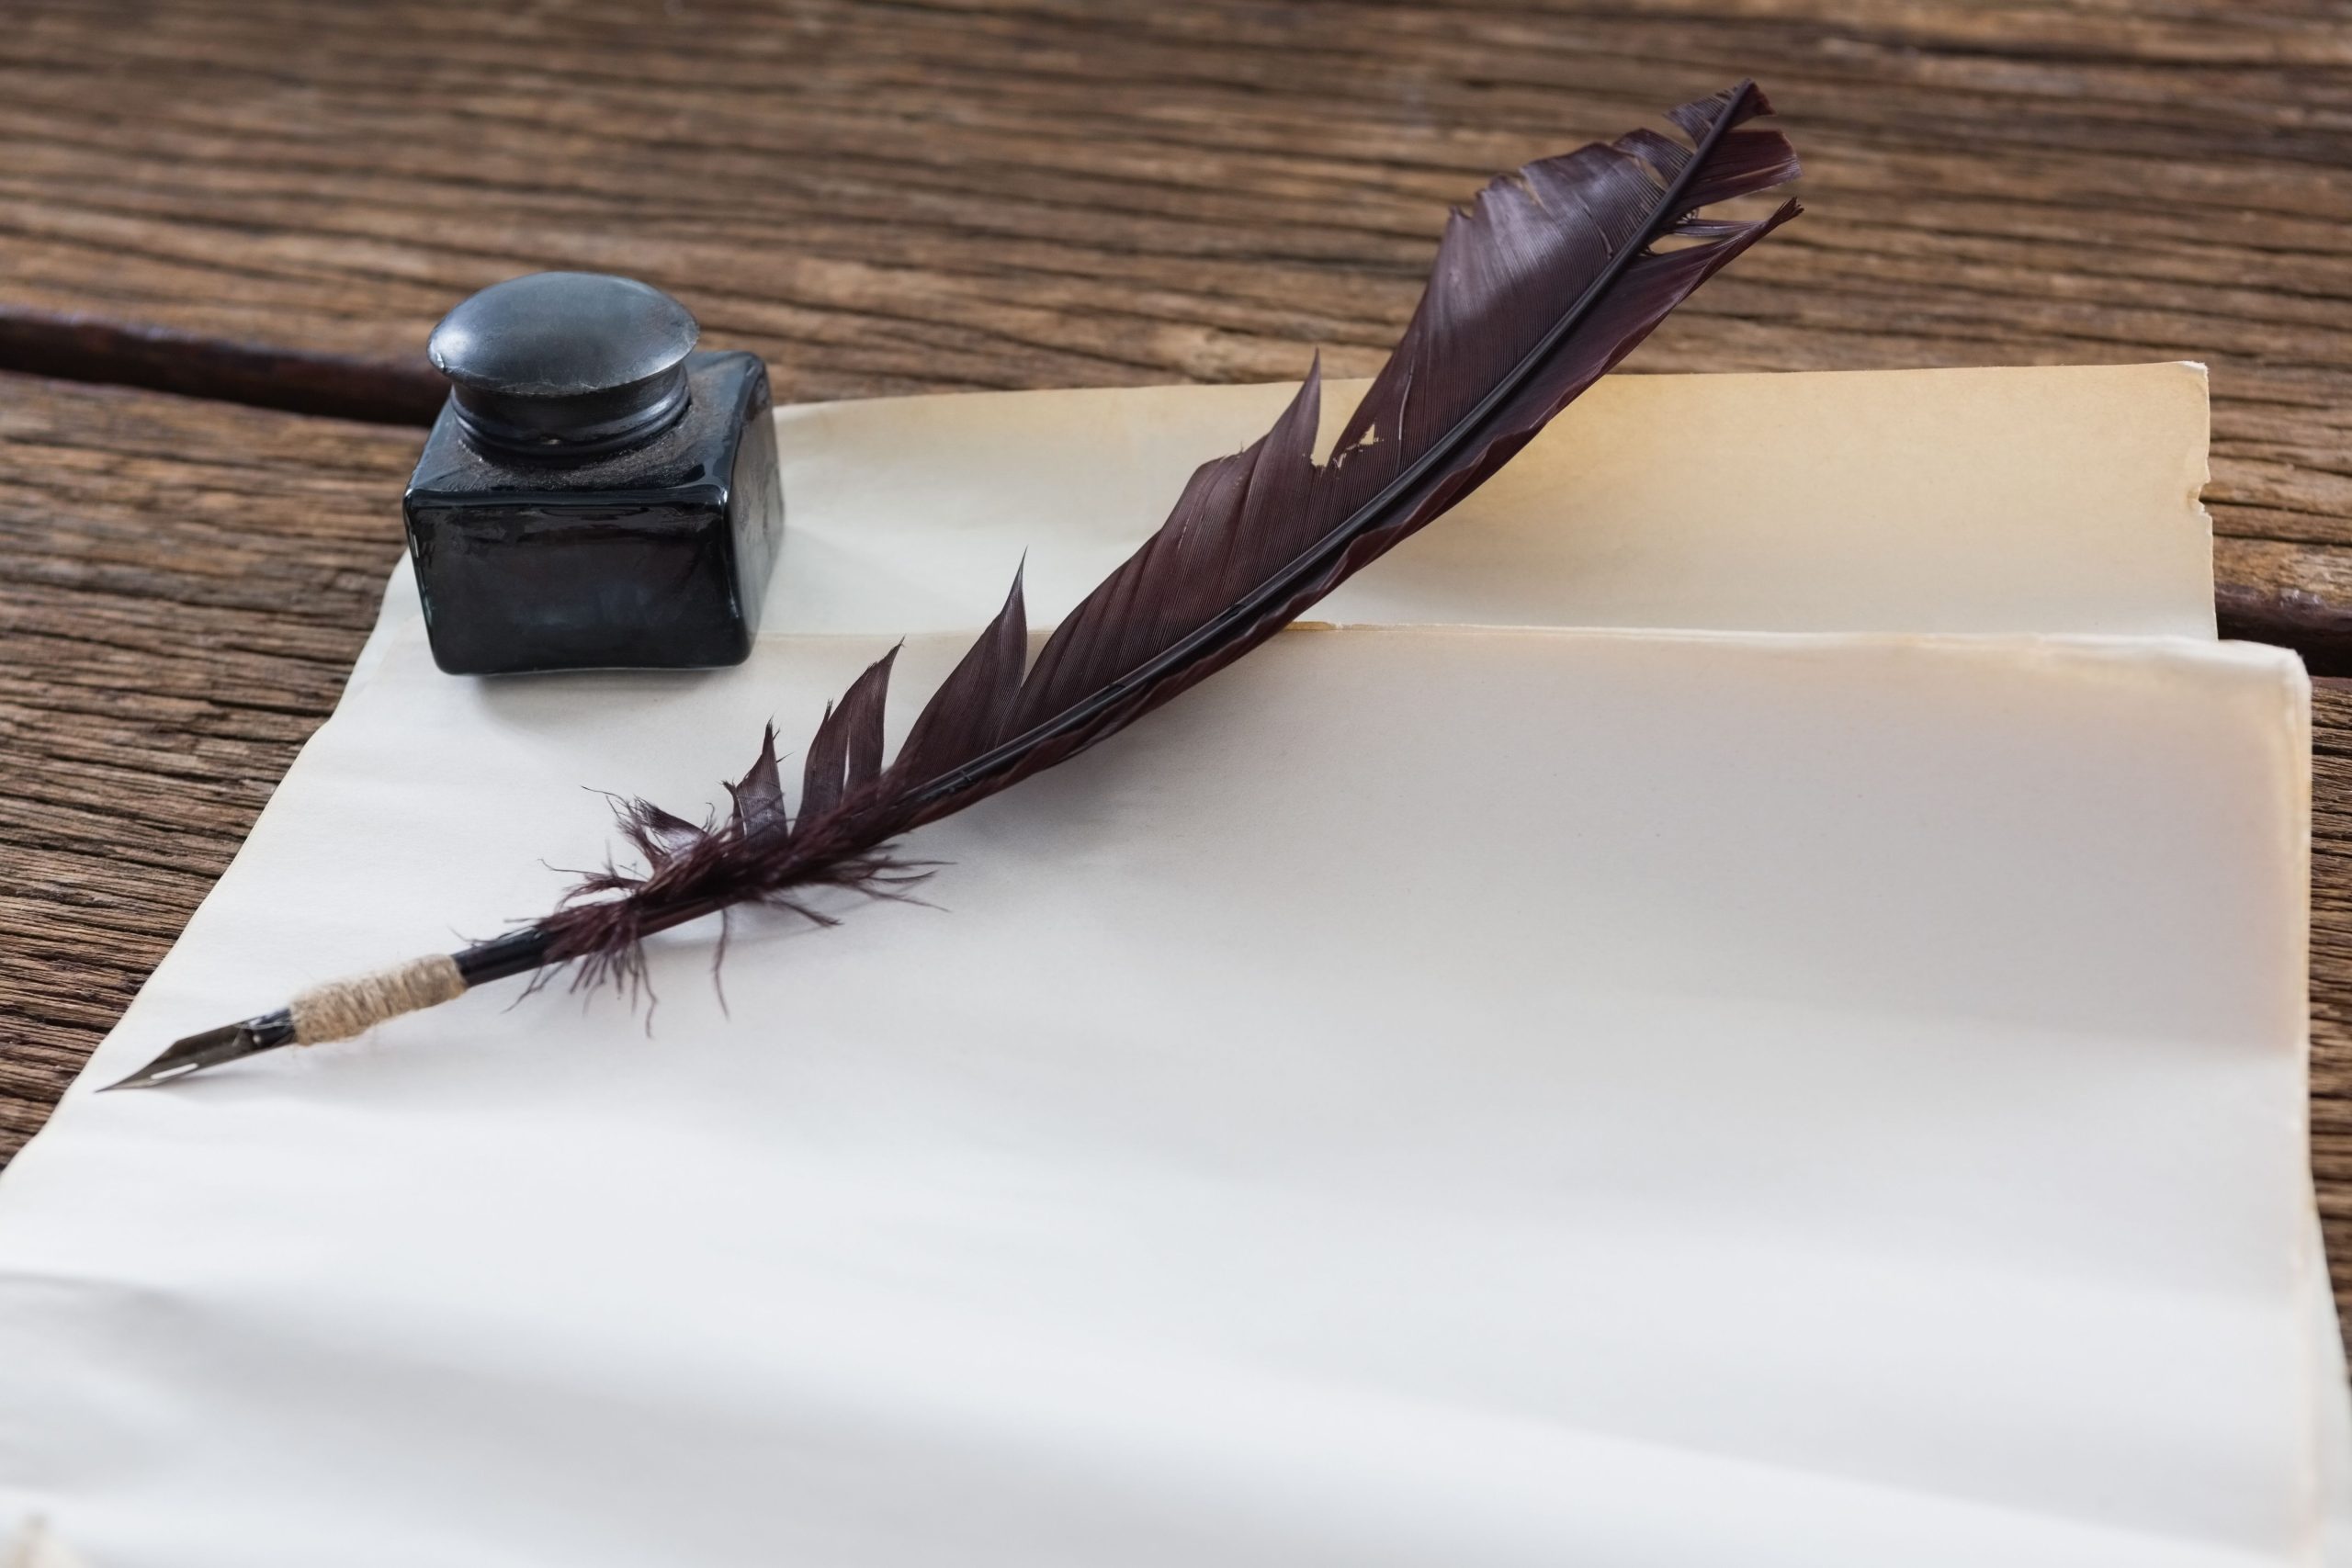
(213, 1047)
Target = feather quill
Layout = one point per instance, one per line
(1554, 274)
(1549, 281)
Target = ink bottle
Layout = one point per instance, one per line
(595, 494)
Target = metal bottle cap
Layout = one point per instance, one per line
(565, 364)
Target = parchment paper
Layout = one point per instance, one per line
(1432, 1095)
(1911, 500)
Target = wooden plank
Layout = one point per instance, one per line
(942, 193)
(183, 586)
(2331, 979)
(936, 195)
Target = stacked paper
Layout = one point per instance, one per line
(1484, 1084)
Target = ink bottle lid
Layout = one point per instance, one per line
(566, 364)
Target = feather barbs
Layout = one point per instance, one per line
(1539, 287)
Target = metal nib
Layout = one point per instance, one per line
(213, 1047)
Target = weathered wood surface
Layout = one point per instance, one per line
(886, 198)
(183, 586)
(937, 195)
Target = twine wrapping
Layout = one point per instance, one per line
(342, 1009)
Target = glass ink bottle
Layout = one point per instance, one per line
(595, 494)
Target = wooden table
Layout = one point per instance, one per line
(939, 195)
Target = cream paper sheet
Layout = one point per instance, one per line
(2052, 500)
(1643, 1211)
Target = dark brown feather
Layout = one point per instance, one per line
(1553, 275)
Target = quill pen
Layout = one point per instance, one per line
(1553, 275)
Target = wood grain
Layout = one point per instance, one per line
(183, 587)
(942, 194)
(945, 193)
(2331, 979)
